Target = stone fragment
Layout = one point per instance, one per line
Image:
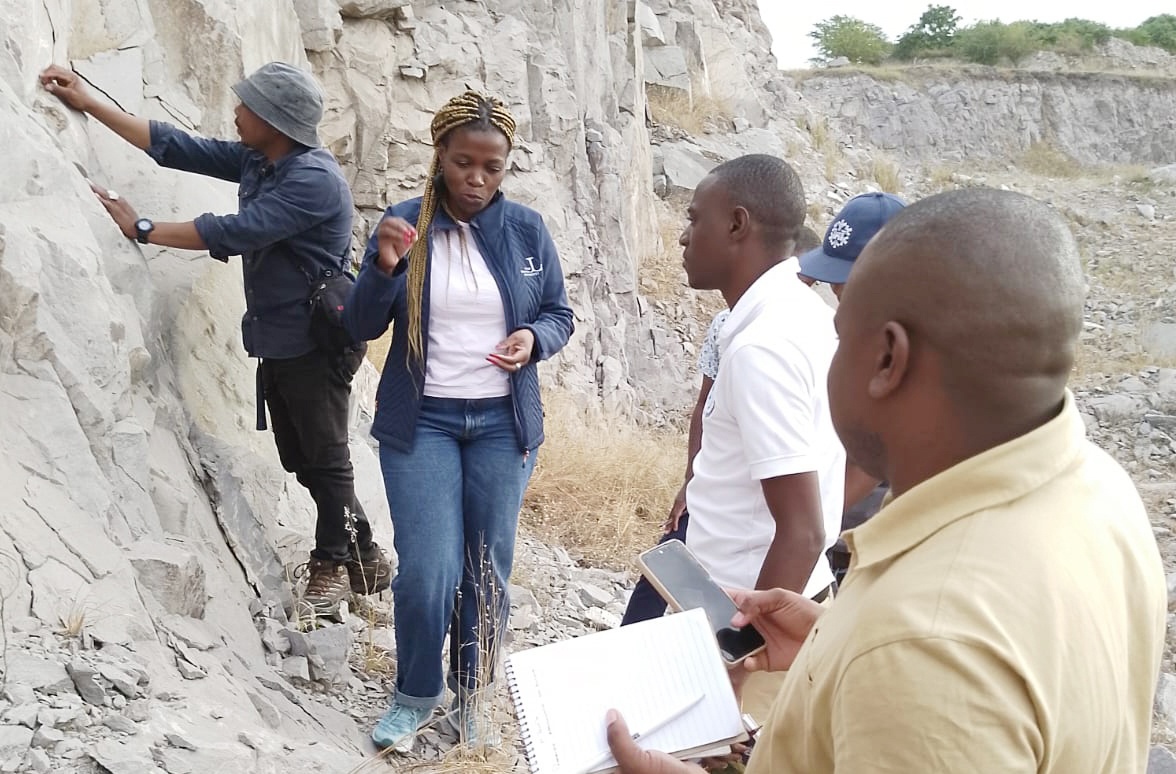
(124, 683)
(85, 680)
(41, 674)
(601, 619)
(121, 758)
(172, 575)
(272, 637)
(265, 708)
(325, 649)
(593, 596)
(47, 736)
(193, 632)
(175, 740)
(296, 667)
(38, 761)
(685, 167)
(321, 23)
(14, 740)
(172, 761)
(120, 723)
(23, 715)
(190, 671)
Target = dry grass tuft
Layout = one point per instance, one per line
(939, 176)
(693, 113)
(602, 488)
(1044, 159)
(823, 141)
(885, 174)
(661, 275)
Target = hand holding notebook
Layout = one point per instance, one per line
(665, 676)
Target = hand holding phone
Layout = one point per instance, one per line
(685, 584)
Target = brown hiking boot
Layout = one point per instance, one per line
(371, 572)
(326, 587)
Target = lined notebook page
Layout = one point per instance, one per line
(646, 671)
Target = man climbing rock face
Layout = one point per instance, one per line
(292, 231)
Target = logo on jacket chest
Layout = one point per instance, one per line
(531, 266)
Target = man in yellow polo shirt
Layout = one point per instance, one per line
(1005, 610)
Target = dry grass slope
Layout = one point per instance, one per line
(602, 488)
(695, 113)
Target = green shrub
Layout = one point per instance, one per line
(854, 39)
(992, 42)
(1159, 31)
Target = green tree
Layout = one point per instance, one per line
(1160, 31)
(854, 39)
(933, 32)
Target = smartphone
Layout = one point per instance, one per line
(685, 584)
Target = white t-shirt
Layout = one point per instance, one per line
(767, 416)
(466, 320)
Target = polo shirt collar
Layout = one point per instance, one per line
(1000, 475)
(768, 286)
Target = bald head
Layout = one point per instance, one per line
(961, 318)
(990, 279)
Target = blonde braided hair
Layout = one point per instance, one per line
(471, 110)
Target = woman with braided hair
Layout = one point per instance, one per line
(475, 294)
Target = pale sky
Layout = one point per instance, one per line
(790, 21)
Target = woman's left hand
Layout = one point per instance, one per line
(513, 352)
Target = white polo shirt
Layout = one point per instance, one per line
(767, 416)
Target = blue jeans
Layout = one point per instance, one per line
(455, 500)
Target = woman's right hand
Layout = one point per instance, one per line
(393, 238)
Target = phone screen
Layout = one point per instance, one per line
(677, 573)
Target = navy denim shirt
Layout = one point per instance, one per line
(521, 256)
(293, 225)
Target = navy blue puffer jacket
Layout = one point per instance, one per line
(521, 256)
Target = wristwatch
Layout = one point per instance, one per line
(143, 229)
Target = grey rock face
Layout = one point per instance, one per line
(983, 114)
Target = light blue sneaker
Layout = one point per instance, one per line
(474, 728)
(399, 726)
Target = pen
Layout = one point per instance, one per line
(659, 724)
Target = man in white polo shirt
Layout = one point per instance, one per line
(765, 501)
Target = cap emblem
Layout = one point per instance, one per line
(839, 234)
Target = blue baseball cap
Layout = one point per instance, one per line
(860, 218)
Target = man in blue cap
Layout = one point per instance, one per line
(292, 231)
(859, 220)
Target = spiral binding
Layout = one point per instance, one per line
(524, 727)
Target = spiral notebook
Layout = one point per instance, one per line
(648, 671)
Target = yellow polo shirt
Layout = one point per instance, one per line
(1006, 615)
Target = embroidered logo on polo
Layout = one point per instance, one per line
(533, 267)
(839, 234)
(709, 407)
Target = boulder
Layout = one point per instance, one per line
(173, 575)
